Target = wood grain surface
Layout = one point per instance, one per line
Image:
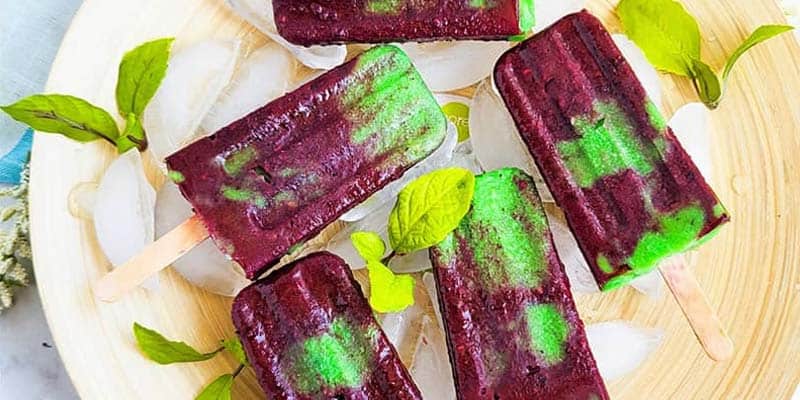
(751, 270)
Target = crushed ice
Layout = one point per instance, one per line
(203, 266)
(691, 126)
(447, 66)
(550, 11)
(265, 75)
(123, 211)
(195, 78)
(645, 71)
(495, 139)
(620, 348)
(431, 367)
(259, 14)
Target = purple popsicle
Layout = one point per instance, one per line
(314, 22)
(277, 177)
(631, 194)
(309, 334)
(512, 328)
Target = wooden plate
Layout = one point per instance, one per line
(750, 271)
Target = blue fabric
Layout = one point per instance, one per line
(12, 164)
(30, 35)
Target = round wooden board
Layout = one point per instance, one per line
(750, 271)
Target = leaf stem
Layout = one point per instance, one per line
(388, 258)
(75, 125)
(140, 144)
(238, 370)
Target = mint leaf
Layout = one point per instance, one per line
(70, 116)
(429, 208)
(389, 292)
(760, 35)
(163, 351)
(666, 33)
(133, 136)
(140, 74)
(234, 346)
(220, 389)
(369, 245)
(707, 84)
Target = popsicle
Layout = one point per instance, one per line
(313, 22)
(631, 194)
(277, 177)
(512, 328)
(309, 333)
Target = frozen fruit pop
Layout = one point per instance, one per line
(309, 333)
(630, 192)
(278, 176)
(512, 328)
(313, 22)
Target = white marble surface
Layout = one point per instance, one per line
(30, 368)
(31, 32)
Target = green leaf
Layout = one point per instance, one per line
(369, 245)
(163, 351)
(760, 35)
(389, 292)
(140, 74)
(666, 33)
(429, 208)
(220, 389)
(234, 346)
(707, 84)
(70, 116)
(133, 136)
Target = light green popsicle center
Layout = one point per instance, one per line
(394, 106)
(548, 331)
(384, 6)
(337, 359)
(511, 245)
(677, 232)
(527, 15)
(235, 162)
(607, 146)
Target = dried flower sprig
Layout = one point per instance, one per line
(15, 247)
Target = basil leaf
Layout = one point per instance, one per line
(163, 351)
(234, 346)
(666, 33)
(429, 208)
(140, 74)
(389, 292)
(369, 245)
(760, 35)
(220, 389)
(707, 84)
(70, 116)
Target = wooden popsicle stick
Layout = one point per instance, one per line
(153, 258)
(701, 315)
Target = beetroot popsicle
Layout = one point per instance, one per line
(307, 22)
(630, 192)
(277, 177)
(309, 334)
(512, 328)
